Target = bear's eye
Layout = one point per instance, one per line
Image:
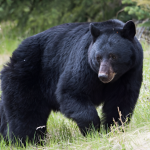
(99, 58)
(112, 56)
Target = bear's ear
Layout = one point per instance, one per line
(94, 31)
(129, 30)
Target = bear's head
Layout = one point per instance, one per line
(111, 53)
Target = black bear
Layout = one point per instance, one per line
(71, 68)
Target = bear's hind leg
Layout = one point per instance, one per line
(3, 122)
(28, 123)
(25, 107)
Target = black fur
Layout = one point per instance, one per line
(57, 70)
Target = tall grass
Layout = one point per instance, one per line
(64, 133)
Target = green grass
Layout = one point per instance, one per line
(64, 133)
(8, 39)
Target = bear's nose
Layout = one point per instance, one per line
(102, 76)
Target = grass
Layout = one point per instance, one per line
(64, 133)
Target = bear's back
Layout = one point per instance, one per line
(68, 41)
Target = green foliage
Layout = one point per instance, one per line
(135, 10)
(38, 15)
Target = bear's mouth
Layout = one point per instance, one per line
(109, 79)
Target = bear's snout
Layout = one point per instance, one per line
(106, 73)
(102, 76)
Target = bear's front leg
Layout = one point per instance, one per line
(81, 110)
(121, 96)
(74, 97)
